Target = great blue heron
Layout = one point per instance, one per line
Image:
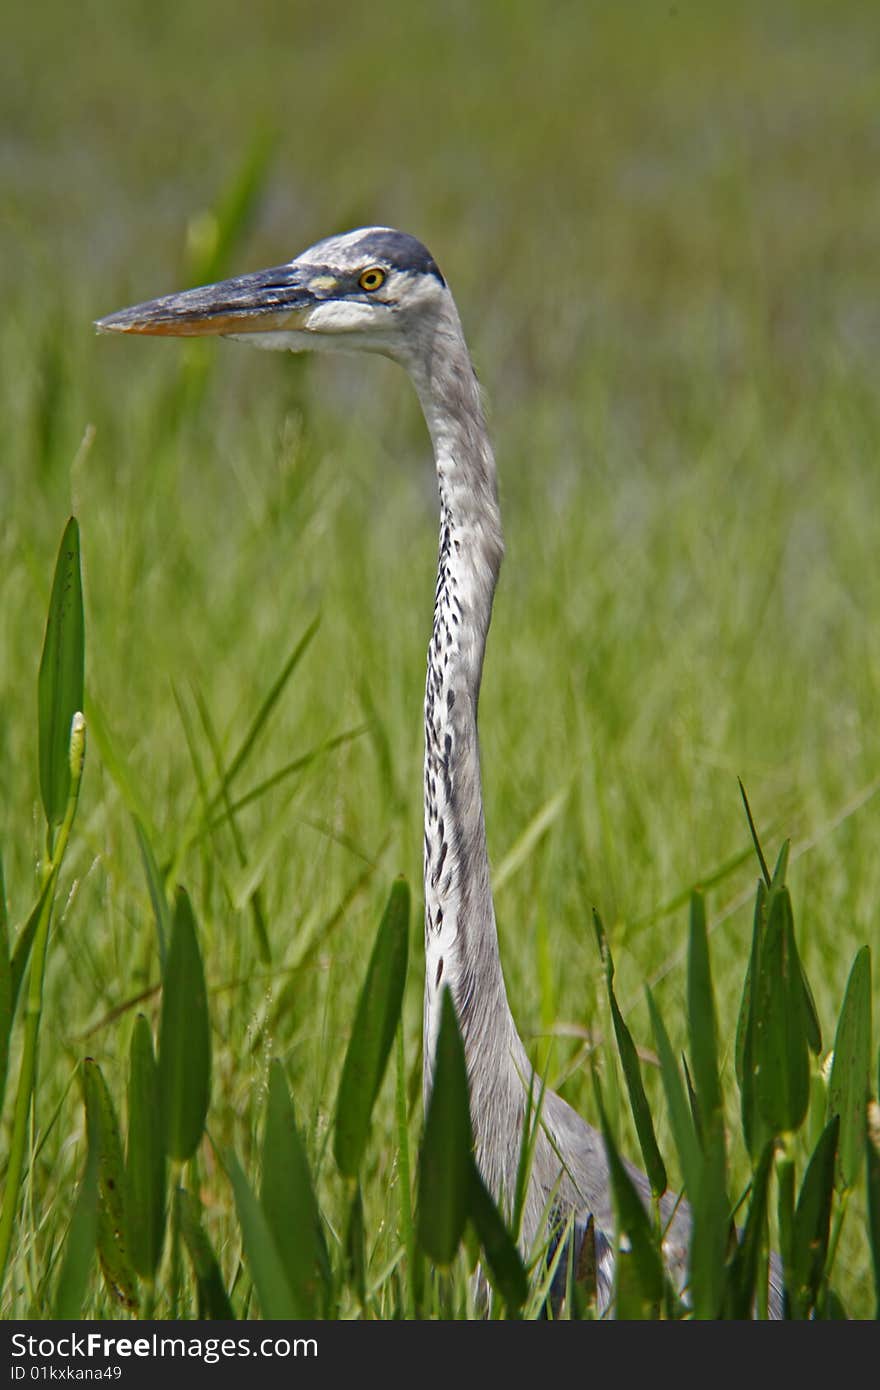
(380, 290)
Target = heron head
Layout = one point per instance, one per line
(374, 289)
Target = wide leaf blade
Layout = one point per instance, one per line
(376, 1019)
(184, 1038)
(849, 1083)
(502, 1257)
(79, 1250)
(809, 1245)
(445, 1168)
(119, 1272)
(264, 1262)
(213, 1300)
(781, 1068)
(5, 988)
(61, 676)
(356, 1246)
(288, 1200)
(415, 1260)
(755, 1129)
(145, 1156)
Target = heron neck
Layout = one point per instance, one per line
(461, 939)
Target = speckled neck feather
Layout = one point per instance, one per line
(461, 939)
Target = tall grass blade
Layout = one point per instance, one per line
(633, 1226)
(114, 763)
(52, 389)
(632, 1073)
(692, 1099)
(268, 703)
(288, 1200)
(211, 241)
(184, 1038)
(253, 896)
(156, 890)
(744, 1020)
(25, 939)
(38, 943)
(145, 1155)
(61, 677)
(372, 1035)
(376, 727)
(746, 1262)
(711, 1212)
(283, 773)
(502, 1257)
(189, 733)
(680, 1117)
(754, 834)
(629, 1057)
(211, 253)
(711, 1223)
(313, 940)
(113, 1251)
(850, 1081)
(212, 1298)
(780, 868)
(531, 1130)
(702, 1024)
(812, 1221)
(530, 837)
(275, 1296)
(709, 878)
(446, 1160)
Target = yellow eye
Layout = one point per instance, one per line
(372, 279)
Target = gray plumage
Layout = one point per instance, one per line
(379, 290)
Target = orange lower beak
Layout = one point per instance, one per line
(266, 301)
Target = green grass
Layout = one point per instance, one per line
(660, 226)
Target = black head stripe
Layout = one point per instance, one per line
(401, 252)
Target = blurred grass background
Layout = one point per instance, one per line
(660, 223)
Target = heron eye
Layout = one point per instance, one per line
(372, 279)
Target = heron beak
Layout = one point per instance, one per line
(268, 300)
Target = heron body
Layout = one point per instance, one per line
(380, 290)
